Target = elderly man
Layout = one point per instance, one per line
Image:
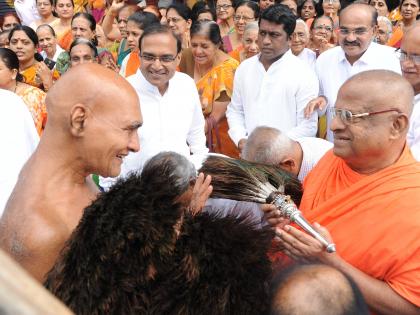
(85, 134)
(173, 120)
(315, 289)
(365, 193)
(299, 41)
(270, 146)
(410, 66)
(268, 88)
(356, 53)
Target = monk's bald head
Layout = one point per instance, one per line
(315, 289)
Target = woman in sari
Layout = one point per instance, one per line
(225, 12)
(50, 50)
(322, 29)
(409, 10)
(62, 26)
(249, 43)
(45, 11)
(12, 80)
(213, 71)
(245, 12)
(24, 42)
(178, 18)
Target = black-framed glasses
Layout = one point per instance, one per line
(323, 27)
(348, 117)
(165, 59)
(403, 56)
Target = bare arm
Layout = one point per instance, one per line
(110, 17)
(378, 294)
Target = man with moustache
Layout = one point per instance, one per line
(356, 53)
(410, 66)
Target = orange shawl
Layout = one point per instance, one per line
(373, 219)
(31, 78)
(133, 63)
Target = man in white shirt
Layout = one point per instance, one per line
(299, 41)
(273, 87)
(356, 53)
(170, 105)
(268, 145)
(26, 10)
(410, 66)
(18, 139)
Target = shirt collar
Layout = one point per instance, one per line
(366, 58)
(150, 87)
(285, 56)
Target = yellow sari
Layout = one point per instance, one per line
(32, 79)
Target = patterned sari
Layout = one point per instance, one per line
(34, 99)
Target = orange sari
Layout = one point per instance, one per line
(373, 219)
(32, 79)
(34, 99)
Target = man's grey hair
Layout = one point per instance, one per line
(267, 145)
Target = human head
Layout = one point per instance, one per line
(154, 10)
(201, 11)
(358, 25)
(225, 10)
(315, 289)
(24, 42)
(322, 29)
(9, 21)
(250, 40)
(44, 8)
(136, 24)
(410, 46)
(276, 25)
(264, 4)
(83, 25)
(9, 68)
(245, 12)
(100, 36)
(270, 146)
(64, 9)
(122, 18)
(178, 17)
(370, 143)
(409, 10)
(291, 4)
(300, 37)
(205, 41)
(383, 7)
(156, 43)
(331, 7)
(4, 39)
(82, 51)
(307, 10)
(76, 119)
(47, 39)
(384, 30)
(163, 7)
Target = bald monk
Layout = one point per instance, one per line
(365, 195)
(93, 117)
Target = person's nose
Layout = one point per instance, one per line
(134, 142)
(336, 124)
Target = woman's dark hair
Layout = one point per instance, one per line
(161, 29)
(143, 19)
(390, 4)
(182, 10)
(48, 27)
(2, 18)
(250, 4)
(84, 41)
(11, 61)
(319, 17)
(72, 2)
(317, 5)
(202, 7)
(210, 29)
(32, 36)
(281, 15)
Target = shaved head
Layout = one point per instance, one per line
(366, 10)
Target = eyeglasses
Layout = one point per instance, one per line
(330, 1)
(224, 7)
(323, 27)
(357, 31)
(403, 56)
(241, 17)
(165, 59)
(347, 117)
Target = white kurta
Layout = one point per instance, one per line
(333, 69)
(171, 122)
(309, 57)
(274, 98)
(58, 51)
(413, 136)
(26, 10)
(18, 140)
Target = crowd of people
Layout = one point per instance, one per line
(111, 107)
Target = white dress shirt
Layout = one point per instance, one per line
(26, 10)
(18, 139)
(309, 57)
(413, 136)
(275, 98)
(171, 122)
(313, 150)
(58, 51)
(333, 69)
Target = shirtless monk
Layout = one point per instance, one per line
(93, 117)
(365, 195)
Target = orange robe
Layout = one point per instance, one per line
(373, 219)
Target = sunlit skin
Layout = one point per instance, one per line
(380, 6)
(47, 41)
(134, 33)
(331, 8)
(225, 12)
(24, 48)
(264, 4)
(177, 23)
(411, 46)
(382, 36)
(299, 39)
(409, 11)
(308, 10)
(4, 40)
(321, 35)
(205, 16)
(81, 54)
(64, 9)
(9, 22)
(80, 28)
(291, 4)
(250, 43)
(45, 10)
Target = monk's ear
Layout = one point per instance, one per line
(288, 164)
(400, 125)
(78, 116)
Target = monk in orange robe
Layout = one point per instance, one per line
(365, 195)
